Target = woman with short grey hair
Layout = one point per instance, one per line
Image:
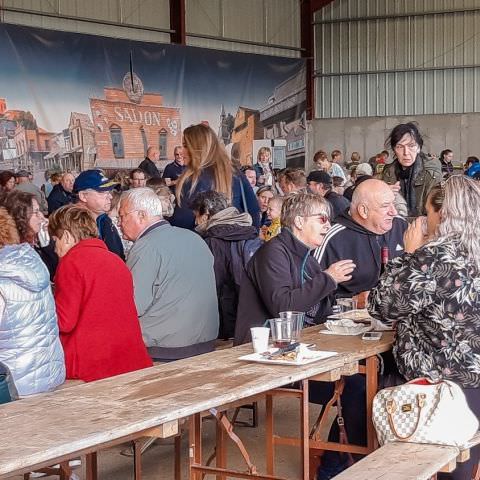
(283, 275)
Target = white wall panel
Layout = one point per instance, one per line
(137, 14)
(417, 61)
(270, 27)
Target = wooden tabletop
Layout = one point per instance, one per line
(54, 425)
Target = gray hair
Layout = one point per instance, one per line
(143, 199)
(459, 216)
(301, 204)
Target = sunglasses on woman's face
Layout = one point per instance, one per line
(322, 217)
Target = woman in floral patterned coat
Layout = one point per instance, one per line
(431, 295)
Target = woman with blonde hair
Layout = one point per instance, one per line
(431, 295)
(208, 167)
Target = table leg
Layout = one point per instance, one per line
(178, 457)
(371, 390)
(221, 449)
(137, 459)
(195, 450)
(305, 431)
(89, 464)
(269, 447)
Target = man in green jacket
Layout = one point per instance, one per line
(411, 173)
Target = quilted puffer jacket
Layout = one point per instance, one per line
(29, 343)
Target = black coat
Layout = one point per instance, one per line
(338, 203)
(282, 276)
(149, 167)
(58, 198)
(219, 239)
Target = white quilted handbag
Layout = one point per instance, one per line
(424, 412)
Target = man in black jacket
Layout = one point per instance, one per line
(148, 165)
(61, 193)
(361, 233)
(321, 183)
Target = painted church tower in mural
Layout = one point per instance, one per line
(127, 121)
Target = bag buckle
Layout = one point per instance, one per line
(340, 421)
(421, 398)
(390, 406)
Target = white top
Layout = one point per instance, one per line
(337, 171)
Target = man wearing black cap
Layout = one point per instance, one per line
(94, 191)
(321, 183)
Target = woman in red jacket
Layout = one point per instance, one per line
(97, 318)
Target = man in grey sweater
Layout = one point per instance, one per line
(173, 279)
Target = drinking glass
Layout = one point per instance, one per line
(284, 331)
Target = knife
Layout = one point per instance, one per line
(281, 351)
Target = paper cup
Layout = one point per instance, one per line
(260, 339)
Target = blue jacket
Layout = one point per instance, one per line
(183, 216)
(29, 342)
(109, 234)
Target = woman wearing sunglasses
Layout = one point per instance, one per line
(283, 275)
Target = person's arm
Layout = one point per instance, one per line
(69, 287)
(144, 268)
(406, 288)
(280, 295)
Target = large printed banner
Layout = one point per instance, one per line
(79, 101)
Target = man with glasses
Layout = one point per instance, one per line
(174, 280)
(411, 173)
(282, 275)
(360, 233)
(94, 192)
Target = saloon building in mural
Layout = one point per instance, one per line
(127, 121)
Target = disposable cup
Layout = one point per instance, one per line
(260, 339)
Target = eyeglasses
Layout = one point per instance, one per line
(411, 147)
(121, 217)
(322, 217)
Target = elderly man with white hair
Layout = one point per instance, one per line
(173, 278)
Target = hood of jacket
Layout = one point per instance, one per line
(228, 217)
(20, 265)
(292, 243)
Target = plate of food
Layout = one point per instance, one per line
(302, 355)
(345, 326)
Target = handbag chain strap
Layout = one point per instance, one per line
(391, 408)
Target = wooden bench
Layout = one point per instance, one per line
(408, 461)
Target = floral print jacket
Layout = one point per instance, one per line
(433, 298)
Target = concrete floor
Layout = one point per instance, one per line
(158, 460)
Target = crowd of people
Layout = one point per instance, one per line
(101, 276)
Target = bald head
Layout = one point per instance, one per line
(153, 153)
(373, 206)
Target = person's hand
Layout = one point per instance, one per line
(395, 187)
(415, 236)
(341, 271)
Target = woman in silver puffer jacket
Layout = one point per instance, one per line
(29, 343)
